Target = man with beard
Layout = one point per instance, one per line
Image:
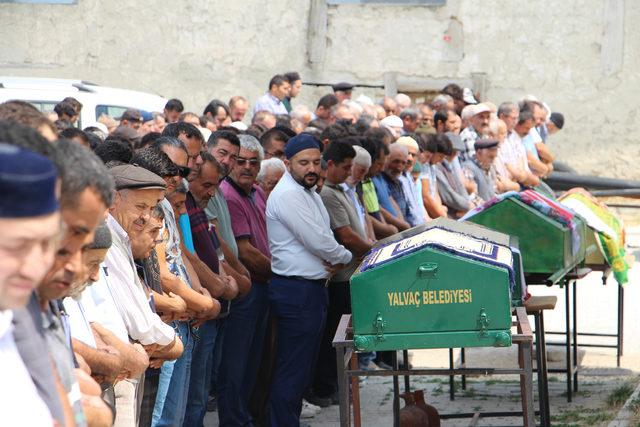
(389, 189)
(207, 246)
(29, 225)
(304, 255)
(86, 192)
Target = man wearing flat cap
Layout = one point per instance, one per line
(29, 225)
(342, 90)
(481, 168)
(138, 191)
(304, 254)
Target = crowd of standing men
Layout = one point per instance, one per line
(162, 264)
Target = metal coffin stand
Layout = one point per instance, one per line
(346, 359)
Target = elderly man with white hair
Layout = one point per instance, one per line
(359, 169)
(412, 192)
(271, 170)
(402, 101)
(393, 124)
(389, 189)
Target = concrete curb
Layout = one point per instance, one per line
(625, 414)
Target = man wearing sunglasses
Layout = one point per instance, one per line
(192, 139)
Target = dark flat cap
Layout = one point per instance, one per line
(456, 141)
(342, 86)
(131, 115)
(27, 183)
(557, 119)
(135, 177)
(486, 143)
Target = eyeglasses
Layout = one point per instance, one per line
(252, 162)
(183, 171)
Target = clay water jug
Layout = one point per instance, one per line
(411, 415)
(432, 413)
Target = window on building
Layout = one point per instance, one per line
(398, 2)
(41, 1)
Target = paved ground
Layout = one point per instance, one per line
(600, 380)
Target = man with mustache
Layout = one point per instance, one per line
(138, 191)
(304, 254)
(208, 248)
(478, 127)
(246, 324)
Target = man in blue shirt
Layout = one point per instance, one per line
(391, 197)
(279, 89)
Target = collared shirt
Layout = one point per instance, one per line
(78, 321)
(416, 211)
(217, 209)
(353, 196)
(128, 293)
(20, 404)
(543, 131)
(512, 152)
(429, 173)
(469, 136)
(172, 239)
(342, 213)
(29, 338)
(100, 306)
(382, 194)
(58, 337)
(530, 140)
(203, 237)
(270, 103)
(247, 214)
(300, 237)
(451, 188)
(397, 193)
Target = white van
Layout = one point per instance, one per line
(96, 100)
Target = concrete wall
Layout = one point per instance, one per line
(580, 57)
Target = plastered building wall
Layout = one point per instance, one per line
(581, 57)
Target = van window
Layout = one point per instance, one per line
(112, 111)
(44, 106)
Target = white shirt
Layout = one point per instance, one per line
(20, 404)
(78, 322)
(100, 307)
(128, 294)
(300, 236)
